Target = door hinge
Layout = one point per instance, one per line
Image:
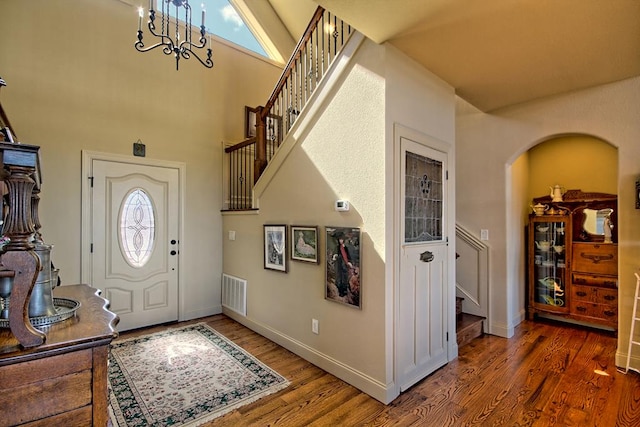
(91, 248)
(447, 336)
(446, 175)
(91, 179)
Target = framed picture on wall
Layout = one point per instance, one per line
(275, 247)
(304, 244)
(342, 266)
(249, 122)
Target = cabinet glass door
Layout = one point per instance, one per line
(549, 276)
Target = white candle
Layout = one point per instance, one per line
(150, 4)
(203, 11)
(140, 13)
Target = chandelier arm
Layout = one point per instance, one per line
(179, 48)
(186, 54)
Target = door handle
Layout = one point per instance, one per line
(173, 242)
(426, 256)
(173, 252)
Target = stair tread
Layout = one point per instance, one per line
(465, 320)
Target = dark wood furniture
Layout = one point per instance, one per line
(578, 282)
(62, 382)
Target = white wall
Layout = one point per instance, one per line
(75, 83)
(418, 104)
(488, 143)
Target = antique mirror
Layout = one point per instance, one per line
(595, 220)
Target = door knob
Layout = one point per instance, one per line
(173, 252)
(173, 241)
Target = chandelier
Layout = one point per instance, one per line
(174, 39)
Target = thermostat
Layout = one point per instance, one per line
(342, 205)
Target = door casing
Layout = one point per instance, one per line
(86, 227)
(401, 132)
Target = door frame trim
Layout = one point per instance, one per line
(86, 227)
(400, 131)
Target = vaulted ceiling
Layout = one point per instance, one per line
(497, 53)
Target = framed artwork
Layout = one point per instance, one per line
(343, 281)
(304, 244)
(275, 247)
(249, 122)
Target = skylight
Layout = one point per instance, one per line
(223, 20)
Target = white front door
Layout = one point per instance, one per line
(134, 239)
(422, 295)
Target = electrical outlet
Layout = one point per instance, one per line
(314, 326)
(484, 234)
(232, 235)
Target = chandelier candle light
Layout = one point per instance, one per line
(170, 40)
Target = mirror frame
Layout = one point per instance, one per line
(575, 201)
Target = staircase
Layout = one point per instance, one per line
(320, 45)
(468, 326)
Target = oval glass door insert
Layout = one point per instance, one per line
(137, 227)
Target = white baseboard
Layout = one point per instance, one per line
(385, 393)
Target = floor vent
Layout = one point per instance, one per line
(234, 294)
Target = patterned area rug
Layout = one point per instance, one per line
(183, 377)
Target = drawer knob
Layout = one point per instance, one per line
(609, 297)
(609, 313)
(581, 294)
(583, 309)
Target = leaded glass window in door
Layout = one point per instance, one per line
(137, 227)
(423, 199)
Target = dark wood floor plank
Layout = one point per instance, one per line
(546, 375)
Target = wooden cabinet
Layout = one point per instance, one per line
(62, 382)
(548, 264)
(580, 282)
(594, 283)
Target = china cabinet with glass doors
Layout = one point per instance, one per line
(549, 256)
(573, 259)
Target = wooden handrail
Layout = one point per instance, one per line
(240, 145)
(286, 72)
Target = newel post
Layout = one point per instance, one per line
(260, 162)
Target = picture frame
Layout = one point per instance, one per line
(250, 121)
(304, 244)
(343, 283)
(275, 247)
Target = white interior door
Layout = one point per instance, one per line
(134, 229)
(422, 296)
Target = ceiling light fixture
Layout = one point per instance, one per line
(172, 40)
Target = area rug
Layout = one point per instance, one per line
(183, 377)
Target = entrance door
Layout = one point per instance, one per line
(422, 325)
(134, 229)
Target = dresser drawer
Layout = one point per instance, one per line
(594, 295)
(594, 280)
(597, 258)
(608, 313)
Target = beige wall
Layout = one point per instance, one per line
(75, 83)
(343, 150)
(579, 162)
(488, 144)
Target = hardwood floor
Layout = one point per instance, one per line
(546, 375)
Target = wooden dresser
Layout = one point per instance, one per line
(594, 279)
(62, 382)
(573, 260)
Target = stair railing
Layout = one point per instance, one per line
(322, 41)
